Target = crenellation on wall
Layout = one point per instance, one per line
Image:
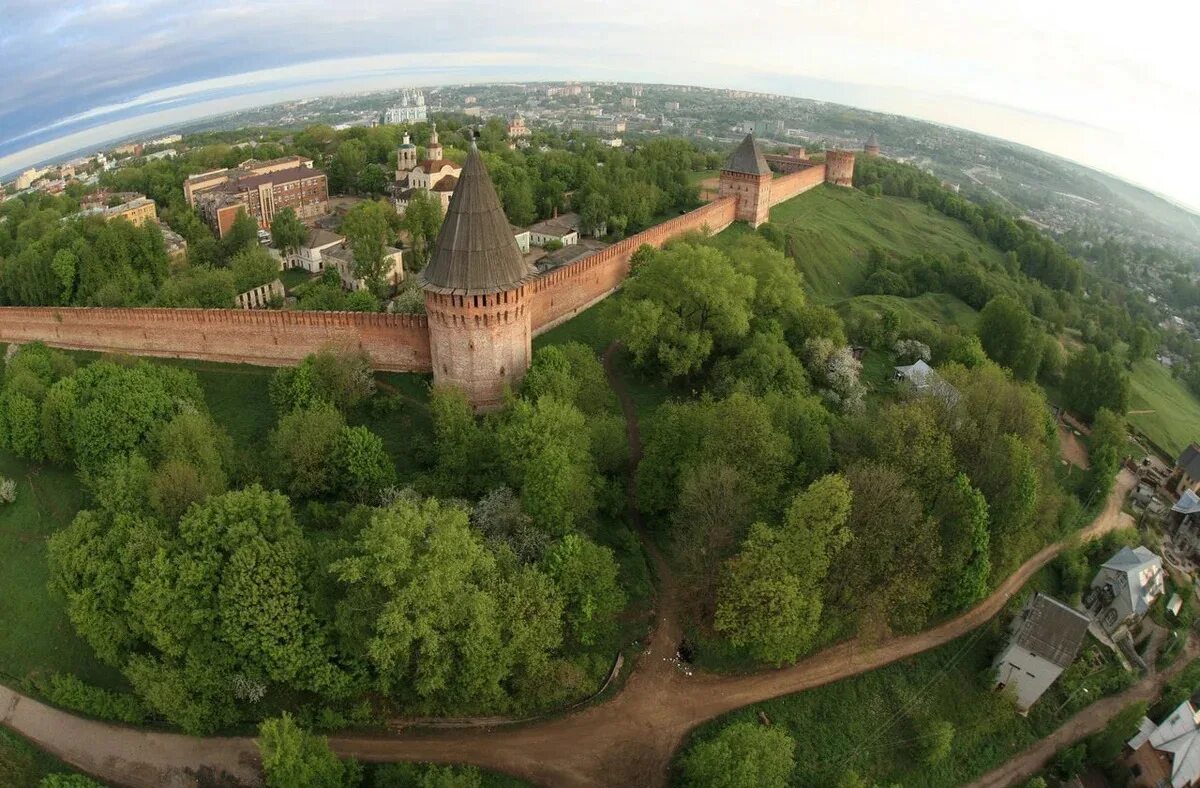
(398, 343)
(565, 292)
(796, 183)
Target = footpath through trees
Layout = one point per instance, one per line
(626, 740)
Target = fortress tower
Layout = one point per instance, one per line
(839, 167)
(434, 151)
(872, 146)
(476, 295)
(747, 177)
(406, 156)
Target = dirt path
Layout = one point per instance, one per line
(1089, 720)
(1071, 448)
(127, 756)
(628, 740)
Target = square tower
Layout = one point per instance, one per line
(747, 178)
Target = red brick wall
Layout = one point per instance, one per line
(560, 295)
(398, 343)
(788, 186)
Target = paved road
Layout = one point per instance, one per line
(628, 740)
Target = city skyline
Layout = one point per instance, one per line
(1071, 80)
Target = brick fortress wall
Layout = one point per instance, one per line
(563, 293)
(788, 186)
(396, 343)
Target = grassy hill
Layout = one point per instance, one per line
(1174, 420)
(834, 228)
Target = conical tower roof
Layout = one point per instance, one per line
(748, 159)
(475, 251)
(872, 141)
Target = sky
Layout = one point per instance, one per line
(1109, 85)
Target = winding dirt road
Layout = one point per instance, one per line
(628, 740)
(1089, 720)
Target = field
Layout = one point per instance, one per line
(35, 635)
(1175, 420)
(877, 723)
(834, 228)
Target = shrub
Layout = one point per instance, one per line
(8, 490)
(71, 692)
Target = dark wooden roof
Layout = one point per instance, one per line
(1051, 630)
(475, 251)
(748, 159)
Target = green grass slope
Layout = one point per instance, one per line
(35, 635)
(1175, 420)
(834, 228)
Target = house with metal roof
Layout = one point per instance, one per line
(1187, 470)
(1166, 754)
(1125, 588)
(924, 380)
(1045, 637)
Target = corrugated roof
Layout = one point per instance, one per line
(1051, 630)
(475, 251)
(748, 159)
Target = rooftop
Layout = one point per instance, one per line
(279, 176)
(318, 238)
(1051, 630)
(1189, 461)
(475, 253)
(747, 159)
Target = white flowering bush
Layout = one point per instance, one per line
(8, 490)
(836, 372)
(910, 350)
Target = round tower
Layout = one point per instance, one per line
(434, 149)
(747, 178)
(476, 294)
(872, 146)
(839, 167)
(406, 155)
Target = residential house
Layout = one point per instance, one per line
(341, 257)
(563, 229)
(1166, 755)
(1187, 470)
(1045, 637)
(309, 255)
(522, 237)
(924, 380)
(1125, 588)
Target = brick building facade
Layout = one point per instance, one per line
(303, 189)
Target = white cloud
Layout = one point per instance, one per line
(1112, 86)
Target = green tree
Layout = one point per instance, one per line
(434, 616)
(1010, 337)
(937, 740)
(1095, 380)
(887, 571)
(288, 233)
(742, 755)
(367, 228)
(681, 304)
(64, 266)
(422, 221)
(585, 575)
(291, 756)
(252, 267)
(302, 448)
(770, 597)
(363, 466)
(242, 235)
